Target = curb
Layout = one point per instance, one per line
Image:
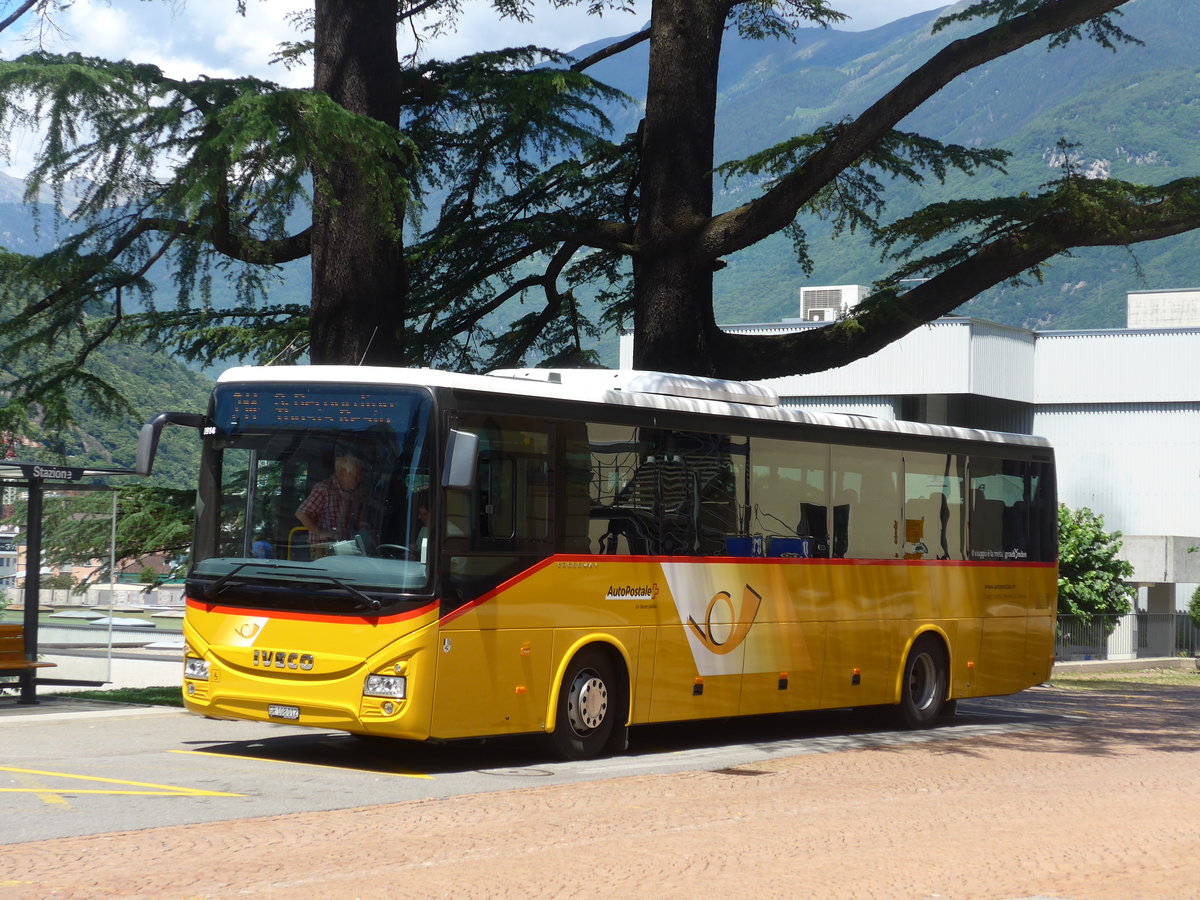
(1126, 665)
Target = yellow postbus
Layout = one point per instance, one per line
(433, 556)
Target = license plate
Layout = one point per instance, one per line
(275, 711)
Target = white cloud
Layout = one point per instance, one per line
(184, 39)
(107, 27)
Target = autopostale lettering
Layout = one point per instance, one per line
(283, 659)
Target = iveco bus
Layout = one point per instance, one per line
(431, 556)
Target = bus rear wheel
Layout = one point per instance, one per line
(923, 685)
(588, 705)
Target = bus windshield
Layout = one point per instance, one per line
(314, 497)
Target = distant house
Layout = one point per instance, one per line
(1121, 406)
(9, 564)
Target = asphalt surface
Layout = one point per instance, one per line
(70, 768)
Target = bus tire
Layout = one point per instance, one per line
(923, 684)
(589, 704)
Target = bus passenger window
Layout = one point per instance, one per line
(577, 489)
(789, 495)
(866, 503)
(665, 493)
(1013, 513)
(621, 504)
(933, 506)
(714, 468)
(510, 506)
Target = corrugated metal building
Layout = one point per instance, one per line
(1122, 408)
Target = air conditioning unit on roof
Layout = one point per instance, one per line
(827, 304)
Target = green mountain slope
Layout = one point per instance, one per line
(153, 383)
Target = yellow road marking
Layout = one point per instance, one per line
(288, 762)
(166, 792)
(158, 790)
(35, 787)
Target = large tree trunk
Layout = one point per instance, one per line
(673, 279)
(358, 279)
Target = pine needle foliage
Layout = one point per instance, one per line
(212, 179)
(857, 195)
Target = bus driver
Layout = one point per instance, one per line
(334, 508)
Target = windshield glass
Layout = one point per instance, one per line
(316, 487)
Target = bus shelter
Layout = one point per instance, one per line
(35, 479)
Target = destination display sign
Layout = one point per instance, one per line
(319, 406)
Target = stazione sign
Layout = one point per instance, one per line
(54, 473)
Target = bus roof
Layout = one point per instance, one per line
(618, 387)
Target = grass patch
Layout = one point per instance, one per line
(147, 696)
(1100, 681)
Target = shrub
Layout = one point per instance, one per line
(1091, 578)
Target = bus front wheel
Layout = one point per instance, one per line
(923, 685)
(588, 705)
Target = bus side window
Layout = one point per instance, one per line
(620, 493)
(1043, 510)
(1014, 515)
(986, 523)
(718, 464)
(576, 488)
(661, 492)
(789, 497)
(511, 502)
(867, 503)
(934, 525)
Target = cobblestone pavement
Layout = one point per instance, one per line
(1099, 807)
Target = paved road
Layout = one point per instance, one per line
(69, 769)
(1050, 793)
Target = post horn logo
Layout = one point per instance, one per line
(247, 630)
(724, 626)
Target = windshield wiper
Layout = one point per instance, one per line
(224, 581)
(367, 600)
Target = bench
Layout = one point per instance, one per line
(12, 652)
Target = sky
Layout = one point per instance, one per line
(191, 37)
(187, 38)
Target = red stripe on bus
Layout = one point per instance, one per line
(309, 617)
(504, 586)
(805, 560)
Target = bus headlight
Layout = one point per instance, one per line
(196, 669)
(395, 686)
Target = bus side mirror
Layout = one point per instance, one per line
(462, 455)
(148, 437)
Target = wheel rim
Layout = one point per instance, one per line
(923, 682)
(587, 702)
